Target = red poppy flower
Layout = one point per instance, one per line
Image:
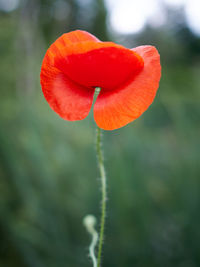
(77, 62)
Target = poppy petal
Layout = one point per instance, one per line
(62, 44)
(90, 62)
(98, 64)
(117, 108)
(73, 37)
(70, 100)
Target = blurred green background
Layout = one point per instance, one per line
(48, 175)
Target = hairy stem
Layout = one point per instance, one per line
(103, 192)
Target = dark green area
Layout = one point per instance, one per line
(48, 173)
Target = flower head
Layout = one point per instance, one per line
(77, 62)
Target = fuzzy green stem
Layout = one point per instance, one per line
(103, 192)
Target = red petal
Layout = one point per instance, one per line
(89, 62)
(70, 100)
(117, 108)
(99, 64)
(63, 43)
(71, 38)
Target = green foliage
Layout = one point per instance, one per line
(48, 167)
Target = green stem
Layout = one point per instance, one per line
(103, 190)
